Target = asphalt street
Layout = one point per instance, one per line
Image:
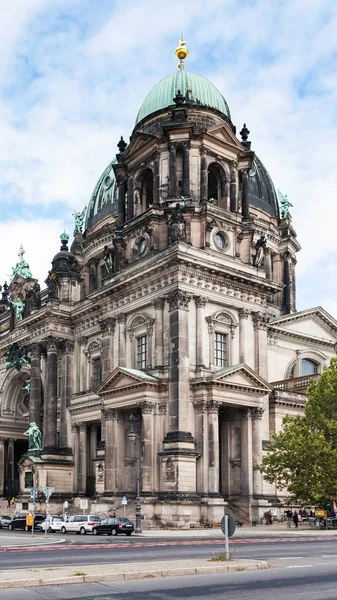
(276, 584)
(91, 551)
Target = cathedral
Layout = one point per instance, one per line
(165, 348)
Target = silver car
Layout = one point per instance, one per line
(80, 524)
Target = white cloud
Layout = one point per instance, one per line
(69, 92)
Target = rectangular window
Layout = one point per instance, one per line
(220, 349)
(142, 352)
(96, 372)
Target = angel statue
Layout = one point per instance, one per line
(285, 205)
(34, 437)
(26, 387)
(79, 220)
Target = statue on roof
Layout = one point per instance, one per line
(22, 267)
(177, 224)
(285, 205)
(260, 248)
(79, 220)
(19, 308)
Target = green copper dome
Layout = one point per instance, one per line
(197, 90)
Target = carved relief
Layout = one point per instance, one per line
(100, 473)
(107, 326)
(170, 470)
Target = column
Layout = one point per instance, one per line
(109, 486)
(130, 198)
(148, 451)
(260, 322)
(243, 332)
(10, 459)
(66, 390)
(93, 447)
(201, 437)
(156, 179)
(257, 413)
(286, 281)
(2, 466)
(213, 447)
(268, 264)
(107, 329)
(246, 452)
(158, 332)
(82, 459)
(203, 174)
(172, 171)
(200, 303)
(121, 201)
(121, 339)
(179, 385)
(35, 385)
(186, 169)
(81, 374)
(50, 404)
(245, 199)
(76, 448)
(233, 195)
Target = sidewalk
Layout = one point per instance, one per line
(22, 578)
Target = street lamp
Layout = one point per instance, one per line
(134, 436)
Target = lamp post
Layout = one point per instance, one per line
(134, 436)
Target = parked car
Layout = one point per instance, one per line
(80, 524)
(19, 521)
(5, 521)
(51, 524)
(114, 526)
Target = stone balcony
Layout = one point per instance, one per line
(297, 384)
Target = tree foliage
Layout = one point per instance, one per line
(303, 456)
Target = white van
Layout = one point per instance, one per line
(80, 524)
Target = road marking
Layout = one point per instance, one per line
(299, 566)
(289, 557)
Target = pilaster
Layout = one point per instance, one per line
(257, 413)
(148, 450)
(200, 303)
(107, 328)
(159, 304)
(35, 385)
(122, 339)
(50, 405)
(82, 471)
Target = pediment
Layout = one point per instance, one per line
(140, 142)
(315, 323)
(225, 134)
(125, 379)
(240, 376)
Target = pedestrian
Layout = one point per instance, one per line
(8, 502)
(295, 519)
(289, 514)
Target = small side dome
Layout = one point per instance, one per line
(262, 192)
(104, 198)
(196, 89)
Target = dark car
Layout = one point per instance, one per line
(5, 521)
(19, 521)
(114, 526)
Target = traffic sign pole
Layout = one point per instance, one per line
(226, 538)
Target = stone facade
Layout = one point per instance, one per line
(169, 308)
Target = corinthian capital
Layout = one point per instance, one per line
(200, 301)
(107, 325)
(51, 344)
(178, 299)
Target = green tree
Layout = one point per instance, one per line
(303, 456)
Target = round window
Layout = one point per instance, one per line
(220, 240)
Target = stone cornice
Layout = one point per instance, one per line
(289, 399)
(239, 387)
(284, 333)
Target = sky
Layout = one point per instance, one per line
(74, 73)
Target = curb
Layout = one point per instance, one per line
(98, 578)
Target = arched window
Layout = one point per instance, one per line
(308, 367)
(146, 189)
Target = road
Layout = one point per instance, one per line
(276, 584)
(89, 550)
